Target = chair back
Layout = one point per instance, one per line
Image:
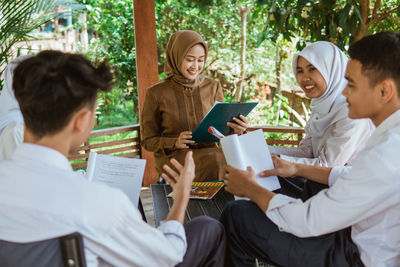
(64, 251)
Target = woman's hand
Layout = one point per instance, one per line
(240, 125)
(183, 140)
(282, 168)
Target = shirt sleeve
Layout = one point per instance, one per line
(347, 137)
(304, 150)
(151, 127)
(10, 138)
(219, 96)
(358, 194)
(336, 173)
(129, 241)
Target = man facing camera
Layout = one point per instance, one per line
(42, 198)
(355, 221)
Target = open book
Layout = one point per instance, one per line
(204, 190)
(250, 149)
(123, 173)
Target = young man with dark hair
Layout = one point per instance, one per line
(355, 221)
(42, 198)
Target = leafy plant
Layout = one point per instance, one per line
(111, 25)
(19, 17)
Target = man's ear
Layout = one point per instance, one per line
(81, 120)
(388, 90)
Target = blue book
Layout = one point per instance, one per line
(217, 117)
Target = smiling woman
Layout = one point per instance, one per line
(332, 138)
(174, 107)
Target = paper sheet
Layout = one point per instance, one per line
(123, 173)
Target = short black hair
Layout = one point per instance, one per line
(379, 55)
(51, 86)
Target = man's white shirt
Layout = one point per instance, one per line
(365, 197)
(41, 198)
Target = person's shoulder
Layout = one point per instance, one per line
(160, 85)
(210, 82)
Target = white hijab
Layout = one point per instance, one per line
(9, 108)
(331, 62)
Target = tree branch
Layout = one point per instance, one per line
(380, 17)
(376, 7)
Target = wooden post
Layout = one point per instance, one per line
(146, 66)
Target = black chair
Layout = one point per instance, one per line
(63, 251)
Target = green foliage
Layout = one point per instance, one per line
(18, 18)
(277, 113)
(335, 21)
(111, 22)
(218, 21)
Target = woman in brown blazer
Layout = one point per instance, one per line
(174, 107)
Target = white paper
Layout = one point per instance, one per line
(123, 173)
(250, 149)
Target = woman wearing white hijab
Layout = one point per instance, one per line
(11, 120)
(331, 138)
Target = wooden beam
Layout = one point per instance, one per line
(146, 66)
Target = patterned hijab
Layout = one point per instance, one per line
(177, 48)
(331, 106)
(9, 107)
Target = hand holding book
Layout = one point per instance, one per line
(250, 149)
(239, 125)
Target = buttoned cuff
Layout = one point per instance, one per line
(171, 226)
(337, 172)
(169, 142)
(175, 233)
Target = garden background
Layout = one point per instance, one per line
(251, 43)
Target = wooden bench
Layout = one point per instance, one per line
(127, 145)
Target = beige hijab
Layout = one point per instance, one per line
(178, 45)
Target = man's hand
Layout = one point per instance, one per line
(239, 182)
(244, 184)
(282, 168)
(183, 140)
(181, 181)
(240, 125)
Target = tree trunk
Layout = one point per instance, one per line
(243, 19)
(278, 68)
(363, 26)
(84, 33)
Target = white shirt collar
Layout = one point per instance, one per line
(389, 123)
(45, 155)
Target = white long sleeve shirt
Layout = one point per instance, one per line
(41, 197)
(337, 147)
(10, 138)
(365, 197)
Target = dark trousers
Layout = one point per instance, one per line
(206, 243)
(251, 234)
(299, 187)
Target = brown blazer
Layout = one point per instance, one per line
(170, 109)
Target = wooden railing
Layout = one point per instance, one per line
(293, 140)
(125, 146)
(129, 146)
